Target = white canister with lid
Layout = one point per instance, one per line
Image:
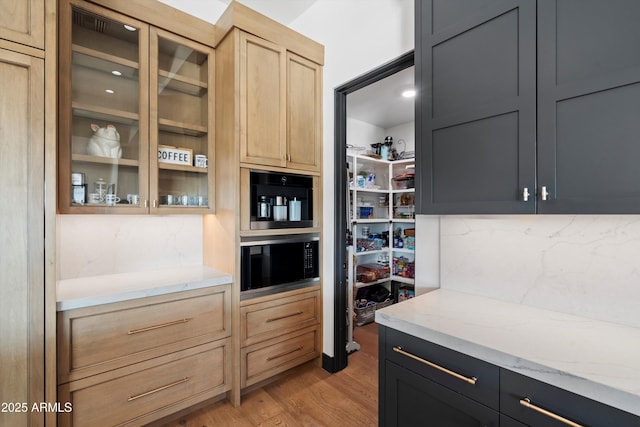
(295, 209)
(280, 209)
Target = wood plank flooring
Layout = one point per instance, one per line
(309, 396)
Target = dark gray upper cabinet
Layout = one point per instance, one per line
(475, 117)
(481, 68)
(589, 106)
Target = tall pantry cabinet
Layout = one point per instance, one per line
(268, 118)
(27, 173)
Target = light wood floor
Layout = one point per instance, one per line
(310, 396)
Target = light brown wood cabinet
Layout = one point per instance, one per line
(151, 87)
(22, 263)
(23, 22)
(133, 362)
(304, 113)
(280, 106)
(268, 102)
(279, 332)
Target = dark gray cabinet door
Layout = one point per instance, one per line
(589, 105)
(475, 115)
(413, 400)
(510, 422)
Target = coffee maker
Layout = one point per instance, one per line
(280, 200)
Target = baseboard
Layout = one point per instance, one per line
(330, 364)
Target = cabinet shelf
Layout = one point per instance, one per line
(369, 190)
(371, 221)
(182, 84)
(404, 250)
(403, 279)
(102, 56)
(182, 168)
(182, 128)
(359, 285)
(377, 251)
(85, 158)
(404, 190)
(106, 114)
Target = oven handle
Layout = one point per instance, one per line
(298, 239)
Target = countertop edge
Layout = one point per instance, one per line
(97, 290)
(569, 381)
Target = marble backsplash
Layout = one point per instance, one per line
(588, 265)
(93, 245)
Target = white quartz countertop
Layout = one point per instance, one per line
(592, 358)
(95, 290)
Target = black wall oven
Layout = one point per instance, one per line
(279, 263)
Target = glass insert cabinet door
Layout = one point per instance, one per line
(181, 111)
(103, 149)
(136, 116)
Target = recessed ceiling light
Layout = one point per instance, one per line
(130, 28)
(410, 93)
(116, 73)
(110, 91)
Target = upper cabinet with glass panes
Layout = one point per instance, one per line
(136, 125)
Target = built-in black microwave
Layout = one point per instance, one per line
(278, 263)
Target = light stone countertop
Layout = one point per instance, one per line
(95, 290)
(592, 358)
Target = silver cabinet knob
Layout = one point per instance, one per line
(525, 194)
(544, 194)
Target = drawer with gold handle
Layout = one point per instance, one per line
(459, 372)
(263, 360)
(95, 339)
(136, 394)
(526, 402)
(537, 403)
(268, 319)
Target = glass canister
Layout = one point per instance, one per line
(100, 187)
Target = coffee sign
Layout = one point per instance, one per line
(177, 156)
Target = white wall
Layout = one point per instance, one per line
(403, 132)
(362, 134)
(358, 36)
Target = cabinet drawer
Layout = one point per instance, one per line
(412, 400)
(579, 409)
(149, 390)
(263, 360)
(265, 320)
(95, 339)
(420, 357)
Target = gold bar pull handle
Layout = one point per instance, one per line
(163, 325)
(277, 356)
(273, 319)
(471, 380)
(155, 390)
(526, 402)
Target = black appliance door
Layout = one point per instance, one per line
(278, 264)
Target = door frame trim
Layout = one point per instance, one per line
(340, 193)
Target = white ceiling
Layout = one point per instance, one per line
(283, 11)
(381, 103)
